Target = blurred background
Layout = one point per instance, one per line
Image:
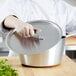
(2, 2)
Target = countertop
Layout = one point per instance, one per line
(66, 68)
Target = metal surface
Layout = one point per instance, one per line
(50, 57)
(48, 38)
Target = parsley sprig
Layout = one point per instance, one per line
(6, 70)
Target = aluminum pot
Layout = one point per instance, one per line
(49, 52)
(50, 57)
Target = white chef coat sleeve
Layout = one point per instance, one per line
(71, 19)
(11, 7)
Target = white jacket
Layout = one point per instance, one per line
(54, 10)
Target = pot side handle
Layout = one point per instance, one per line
(71, 34)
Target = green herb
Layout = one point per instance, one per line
(6, 70)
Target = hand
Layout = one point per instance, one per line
(25, 29)
(22, 29)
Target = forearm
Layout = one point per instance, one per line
(10, 21)
(23, 29)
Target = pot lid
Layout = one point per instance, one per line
(42, 41)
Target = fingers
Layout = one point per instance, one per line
(31, 32)
(26, 30)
